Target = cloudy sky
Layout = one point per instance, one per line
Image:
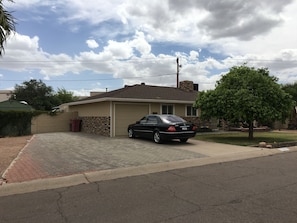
(94, 45)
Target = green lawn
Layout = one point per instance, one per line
(241, 138)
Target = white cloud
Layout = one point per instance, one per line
(194, 55)
(23, 3)
(92, 43)
(120, 60)
(91, 11)
(140, 44)
(24, 54)
(262, 34)
(221, 25)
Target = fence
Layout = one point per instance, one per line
(45, 123)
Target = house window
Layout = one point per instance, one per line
(167, 109)
(191, 111)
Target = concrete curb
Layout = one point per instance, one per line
(96, 176)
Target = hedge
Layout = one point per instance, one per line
(16, 123)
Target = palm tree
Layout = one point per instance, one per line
(7, 25)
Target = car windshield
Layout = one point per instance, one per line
(172, 119)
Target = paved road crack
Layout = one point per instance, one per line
(59, 206)
(177, 197)
(98, 188)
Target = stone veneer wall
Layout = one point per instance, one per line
(96, 125)
(195, 120)
(198, 122)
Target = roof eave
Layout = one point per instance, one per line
(167, 101)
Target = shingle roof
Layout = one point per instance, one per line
(142, 91)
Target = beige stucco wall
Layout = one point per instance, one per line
(179, 109)
(118, 114)
(94, 109)
(52, 123)
(155, 108)
(103, 109)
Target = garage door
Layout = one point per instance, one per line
(126, 114)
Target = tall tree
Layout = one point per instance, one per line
(246, 94)
(291, 89)
(65, 96)
(7, 25)
(37, 94)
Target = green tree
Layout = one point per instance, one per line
(65, 96)
(7, 25)
(37, 94)
(246, 94)
(291, 89)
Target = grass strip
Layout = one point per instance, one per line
(241, 138)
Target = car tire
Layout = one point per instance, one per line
(157, 137)
(183, 140)
(131, 133)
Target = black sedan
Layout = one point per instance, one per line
(162, 127)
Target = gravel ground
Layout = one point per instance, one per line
(9, 150)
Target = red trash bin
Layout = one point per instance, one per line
(75, 125)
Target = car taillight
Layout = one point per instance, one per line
(171, 129)
(194, 128)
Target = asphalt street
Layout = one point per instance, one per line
(260, 189)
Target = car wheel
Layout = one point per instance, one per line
(131, 133)
(183, 140)
(157, 137)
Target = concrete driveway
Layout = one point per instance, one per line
(62, 154)
(56, 160)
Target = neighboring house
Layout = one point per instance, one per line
(111, 112)
(13, 105)
(5, 95)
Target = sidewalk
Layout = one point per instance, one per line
(151, 159)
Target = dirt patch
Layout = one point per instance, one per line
(9, 149)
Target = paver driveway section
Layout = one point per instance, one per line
(62, 154)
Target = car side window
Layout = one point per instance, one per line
(143, 121)
(152, 120)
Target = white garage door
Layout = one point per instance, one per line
(126, 114)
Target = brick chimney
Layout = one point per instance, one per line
(188, 86)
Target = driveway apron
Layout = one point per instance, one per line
(62, 154)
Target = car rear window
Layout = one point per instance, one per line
(173, 119)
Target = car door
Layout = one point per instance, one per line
(150, 125)
(138, 127)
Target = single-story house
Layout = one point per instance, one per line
(5, 95)
(110, 113)
(13, 105)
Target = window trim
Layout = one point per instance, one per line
(161, 109)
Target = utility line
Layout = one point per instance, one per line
(143, 60)
(99, 79)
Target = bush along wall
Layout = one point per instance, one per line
(16, 123)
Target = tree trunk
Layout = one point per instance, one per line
(251, 130)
